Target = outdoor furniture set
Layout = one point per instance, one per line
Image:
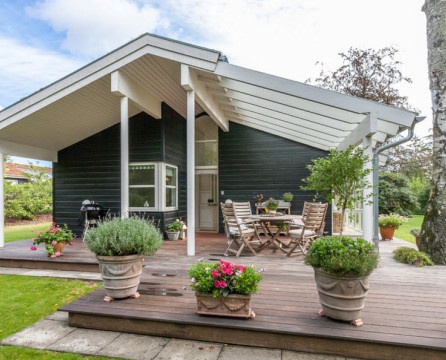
(291, 234)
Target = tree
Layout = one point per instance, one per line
(433, 230)
(339, 176)
(369, 74)
(395, 194)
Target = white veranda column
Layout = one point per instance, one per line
(124, 156)
(367, 214)
(2, 205)
(190, 173)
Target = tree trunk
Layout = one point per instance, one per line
(433, 231)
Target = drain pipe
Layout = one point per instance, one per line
(376, 153)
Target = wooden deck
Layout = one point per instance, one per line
(404, 316)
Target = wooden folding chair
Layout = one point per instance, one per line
(242, 210)
(313, 228)
(238, 233)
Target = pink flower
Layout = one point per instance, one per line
(220, 284)
(70, 243)
(215, 273)
(33, 247)
(54, 242)
(57, 254)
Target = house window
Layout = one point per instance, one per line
(153, 186)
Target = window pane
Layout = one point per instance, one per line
(171, 197)
(171, 176)
(206, 153)
(142, 174)
(140, 197)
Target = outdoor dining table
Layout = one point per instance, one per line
(266, 221)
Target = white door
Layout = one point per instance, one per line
(207, 202)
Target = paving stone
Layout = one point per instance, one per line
(230, 352)
(131, 346)
(40, 335)
(189, 350)
(296, 355)
(83, 341)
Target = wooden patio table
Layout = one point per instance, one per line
(273, 236)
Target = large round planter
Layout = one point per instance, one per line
(120, 275)
(58, 248)
(173, 235)
(233, 305)
(342, 296)
(387, 232)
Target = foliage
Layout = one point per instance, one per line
(23, 201)
(176, 226)
(415, 232)
(369, 74)
(339, 175)
(224, 278)
(272, 204)
(421, 189)
(404, 230)
(54, 235)
(346, 256)
(411, 256)
(392, 220)
(21, 232)
(288, 197)
(395, 194)
(27, 299)
(120, 237)
(258, 198)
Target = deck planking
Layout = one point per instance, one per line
(404, 315)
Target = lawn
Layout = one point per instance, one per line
(404, 230)
(22, 232)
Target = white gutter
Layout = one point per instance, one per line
(376, 153)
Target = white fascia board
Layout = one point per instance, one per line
(189, 81)
(122, 85)
(402, 117)
(27, 151)
(107, 64)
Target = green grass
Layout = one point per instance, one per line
(22, 232)
(404, 230)
(26, 300)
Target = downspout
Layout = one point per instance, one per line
(376, 153)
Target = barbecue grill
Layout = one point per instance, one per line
(91, 214)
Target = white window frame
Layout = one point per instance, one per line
(160, 187)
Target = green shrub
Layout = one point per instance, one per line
(346, 256)
(411, 256)
(119, 237)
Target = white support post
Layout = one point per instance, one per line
(190, 173)
(367, 215)
(124, 156)
(2, 204)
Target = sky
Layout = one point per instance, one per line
(41, 41)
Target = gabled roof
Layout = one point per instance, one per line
(149, 71)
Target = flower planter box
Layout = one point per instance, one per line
(233, 305)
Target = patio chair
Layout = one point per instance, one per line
(242, 210)
(313, 228)
(298, 224)
(238, 234)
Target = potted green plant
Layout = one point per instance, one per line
(287, 197)
(174, 229)
(339, 176)
(120, 246)
(388, 224)
(224, 289)
(55, 239)
(342, 267)
(272, 205)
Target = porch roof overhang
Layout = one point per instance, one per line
(150, 70)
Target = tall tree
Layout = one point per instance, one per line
(433, 231)
(370, 74)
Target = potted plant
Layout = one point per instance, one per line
(272, 205)
(341, 175)
(120, 246)
(224, 289)
(55, 239)
(342, 267)
(174, 229)
(258, 198)
(416, 232)
(388, 224)
(287, 197)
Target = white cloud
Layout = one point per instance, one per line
(95, 27)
